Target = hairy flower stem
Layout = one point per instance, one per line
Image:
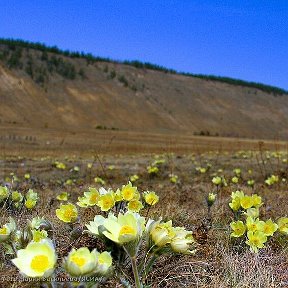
(135, 272)
(150, 264)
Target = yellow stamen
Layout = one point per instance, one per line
(80, 261)
(40, 263)
(127, 230)
(3, 231)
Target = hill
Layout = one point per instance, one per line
(44, 87)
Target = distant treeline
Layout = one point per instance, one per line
(13, 43)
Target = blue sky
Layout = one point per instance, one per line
(240, 39)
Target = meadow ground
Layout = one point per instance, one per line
(219, 261)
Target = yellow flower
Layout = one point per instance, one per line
(272, 180)
(238, 228)
(118, 196)
(39, 235)
(106, 201)
(7, 229)
(60, 165)
(67, 213)
(254, 225)
(81, 262)
(237, 194)
(69, 182)
(37, 259)
(129, 192)
(237, 172)
(30, 203)
(82, 202)
(252, 212)
(93, 226)
(76, 169)
(162, 233)
(152, 170)
(135, 205)
(182, 241)
(125, 228)
(160, 236)
(104, 262)
(211, 199)
(257, 200)
(202, 170)
(256, 240)
(62, 196)
(134, 178)
(246, 202)
(4, 233)
(99, 180)
(31, 195)
(151, 198)
(235, 204)
(27, 176)
(235, 180)
(283, 225)
(173, 178)
(217, 180)
(16, 196)
(251, 182)
(269, 228)
(92, 197)
(3, 193)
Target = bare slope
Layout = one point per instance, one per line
(123, 97)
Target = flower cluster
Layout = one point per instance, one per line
(272, 180)
(59, 165)
(241, 201)
(256, 231)
(128, 196)
(15, 199)
(36, 255)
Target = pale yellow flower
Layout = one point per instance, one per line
(106, 202)
(269, 228)
(151, 198)
(125, 228)
(37, 259)
(62, 196)
(238, 228)
(67, 213)
(283, 225)
(81, 262)
(256, 240)
(129, 192)
(104, 262)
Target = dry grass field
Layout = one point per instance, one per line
(86, 142)
(70, 125)
(219, 261)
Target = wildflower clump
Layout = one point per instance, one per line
(257, 232)
(173, 178)
(272, 180)
(127, 197)
(128, 230)
(15, 200)
(31, 199)
(82, 262)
